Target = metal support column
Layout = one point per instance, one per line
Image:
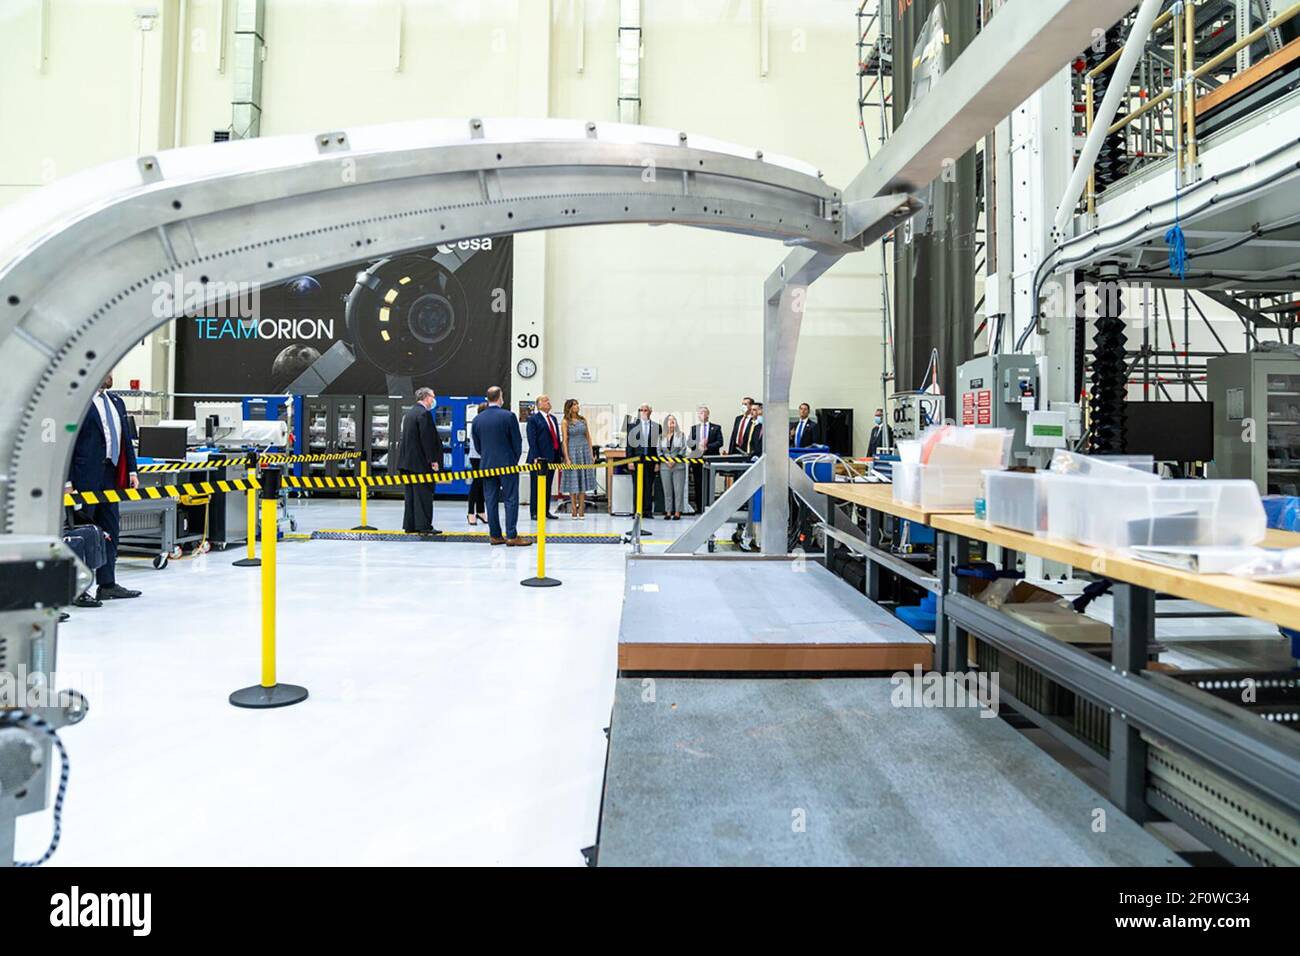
(874, 522)
(833, 523)
(1134, 627)
(784, 296)
(943, 567)
(958, 555)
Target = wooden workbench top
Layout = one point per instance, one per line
(880, 498)
(1269, 602)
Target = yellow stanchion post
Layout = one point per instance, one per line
(640, 485)
(541, 580)
(251, 560)
(269, 692)
(365, 474)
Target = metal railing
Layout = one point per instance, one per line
(1164, 124)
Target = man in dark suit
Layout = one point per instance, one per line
(421, 454)
(103, 459)
(545, 446)
(881, 437)
(742, 422)
(754, 436)
(805, 432)
(747, 537)
(706, 439)
(496, 433)
(643, 439)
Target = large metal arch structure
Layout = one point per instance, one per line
(89, 262)
(79, 259)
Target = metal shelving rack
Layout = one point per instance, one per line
(875, 65)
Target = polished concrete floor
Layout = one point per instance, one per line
(454, 716)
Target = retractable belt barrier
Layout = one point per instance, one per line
(115, 496)
(243, 461)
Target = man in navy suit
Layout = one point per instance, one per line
(544, 445)
(805, 432)
(496, 433)
(706, 439)
(103, 459)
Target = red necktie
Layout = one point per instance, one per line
(555, 439)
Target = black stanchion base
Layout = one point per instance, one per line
(541, 583)
(247, 563)
(365, 527)
(259, 697)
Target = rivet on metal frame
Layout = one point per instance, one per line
(149, 170)
(333, 142)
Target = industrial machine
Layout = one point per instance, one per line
(38, 576)
(913, 412)
(999, 391)
(1256, 398)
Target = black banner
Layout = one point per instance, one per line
(439, 317)
(302, 906)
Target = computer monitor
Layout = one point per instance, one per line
(160, 442)
(1170, 431)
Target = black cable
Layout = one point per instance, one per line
(21, 718)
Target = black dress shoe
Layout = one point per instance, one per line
(113, 592)
(85, 600)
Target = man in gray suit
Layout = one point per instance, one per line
(643, 439)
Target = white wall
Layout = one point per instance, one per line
(668, 315)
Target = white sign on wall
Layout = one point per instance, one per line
(586, 373)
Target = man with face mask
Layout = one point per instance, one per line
(880, 434)
(643, 439)
(103, 459)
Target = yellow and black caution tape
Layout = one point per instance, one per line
(156, 492)
(242, 462)
(324, 482)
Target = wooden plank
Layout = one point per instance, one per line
(879, 498)
(1281, 539)
(774, 657)
(1267, 602)
(1243, 81)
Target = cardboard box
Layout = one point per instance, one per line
(1063, 623)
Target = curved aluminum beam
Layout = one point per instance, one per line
(85, 263)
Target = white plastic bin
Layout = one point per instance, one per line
(937, 487)
(1015, 499)
(1169, 513)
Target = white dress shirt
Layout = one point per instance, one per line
(112, 425)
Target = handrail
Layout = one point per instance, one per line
(1185, 76)
(1110, 61)
(1247, 40)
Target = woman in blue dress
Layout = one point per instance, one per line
(576, 482)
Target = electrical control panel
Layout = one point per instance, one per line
(913, 412)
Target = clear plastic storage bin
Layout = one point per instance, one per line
(1169, 513)
(1111, 467)
(937, 487)
(1015, 499)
